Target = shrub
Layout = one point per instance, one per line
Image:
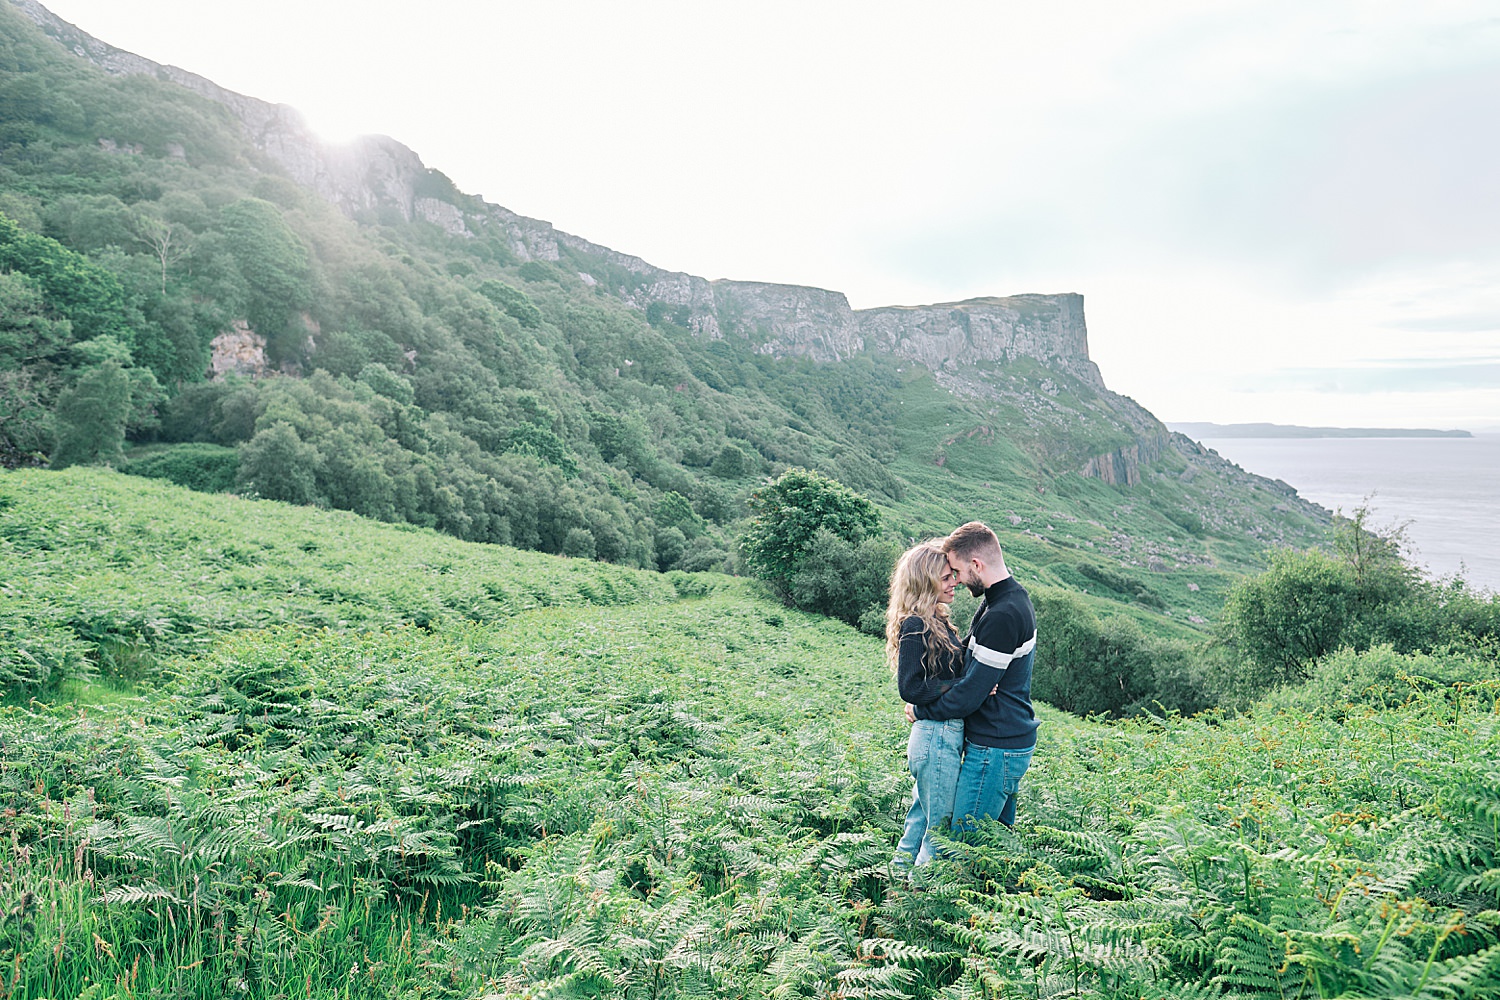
(729, 463)
(513, 301)
(843, 579)
(1083, 664)
(1290, 616)
(579, 543)
(1380, 677)
(790, 513)
(670, 543)
(1087, 665)
(674, 510)
(703, 555)
(278, 465)
(208, 468)
(91, 418)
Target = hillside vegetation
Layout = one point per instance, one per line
(325, 757)
(455, 381)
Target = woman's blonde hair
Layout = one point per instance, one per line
(915, 585)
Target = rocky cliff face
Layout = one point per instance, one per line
(1048, 328)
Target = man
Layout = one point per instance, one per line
(994, 696)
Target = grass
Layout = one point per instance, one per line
(611, 783)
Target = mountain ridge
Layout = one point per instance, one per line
(377, 172)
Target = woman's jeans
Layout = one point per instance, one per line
(988, 783)
(933, 752)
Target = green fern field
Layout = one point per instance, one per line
(252, 750)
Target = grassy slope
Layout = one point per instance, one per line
(354, 770)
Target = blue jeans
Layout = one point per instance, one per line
(933, 752)
(988, 783)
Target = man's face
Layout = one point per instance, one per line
(964, 571)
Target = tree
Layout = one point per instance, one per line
(844, 579)
(513, 301)
(90, 297)
(167, 241)
(278, 465)
(674, 510)
(91, 417)
(729, 463)
(272, 262)
(1286, 619)
(788, 515)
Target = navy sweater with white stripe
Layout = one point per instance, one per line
(1000, 648)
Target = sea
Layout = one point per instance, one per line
(1445, 490)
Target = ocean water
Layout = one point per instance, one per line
(1447, 490)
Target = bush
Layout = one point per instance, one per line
(1380, 677)
(674, 510)
(790, 513)
(843, 579)
(1088, 665)
(513, 301)
(670, 543)
(703, 555)
(1085, 665)
(278, 465)
(208, 468)
(579, 543)
(1120, 583)
(91, 418)
(729, 463)
(1289, 617)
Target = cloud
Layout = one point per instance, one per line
(1398, 376)
(1487, 323)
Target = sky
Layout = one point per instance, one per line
(1275, 211)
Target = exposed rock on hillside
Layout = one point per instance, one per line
(1122, 467)
(1049, 328)
(238, 351)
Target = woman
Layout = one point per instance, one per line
(922, 649)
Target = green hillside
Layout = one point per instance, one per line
(326, 757)
(430, 376)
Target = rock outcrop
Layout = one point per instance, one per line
(237, 351)
(1048, 328)
(1122, 467)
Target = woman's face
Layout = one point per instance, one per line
(947, 582)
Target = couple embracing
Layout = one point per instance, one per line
(969, 701)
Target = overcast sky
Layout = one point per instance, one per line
(1275, 211)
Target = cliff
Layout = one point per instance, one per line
(1048, 328)
(972, 346)
(377, 174)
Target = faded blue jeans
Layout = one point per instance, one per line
(988, 783)
(933, 752)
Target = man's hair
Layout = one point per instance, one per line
(974, 539)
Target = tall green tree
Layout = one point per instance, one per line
(787, 516)
(91, 417)
(273, 263)
(278, 465)
(90, 297)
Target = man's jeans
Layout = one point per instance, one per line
(988, 783)
(932, 753)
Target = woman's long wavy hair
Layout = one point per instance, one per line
(915, 584)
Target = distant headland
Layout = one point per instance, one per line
(1199, 430)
